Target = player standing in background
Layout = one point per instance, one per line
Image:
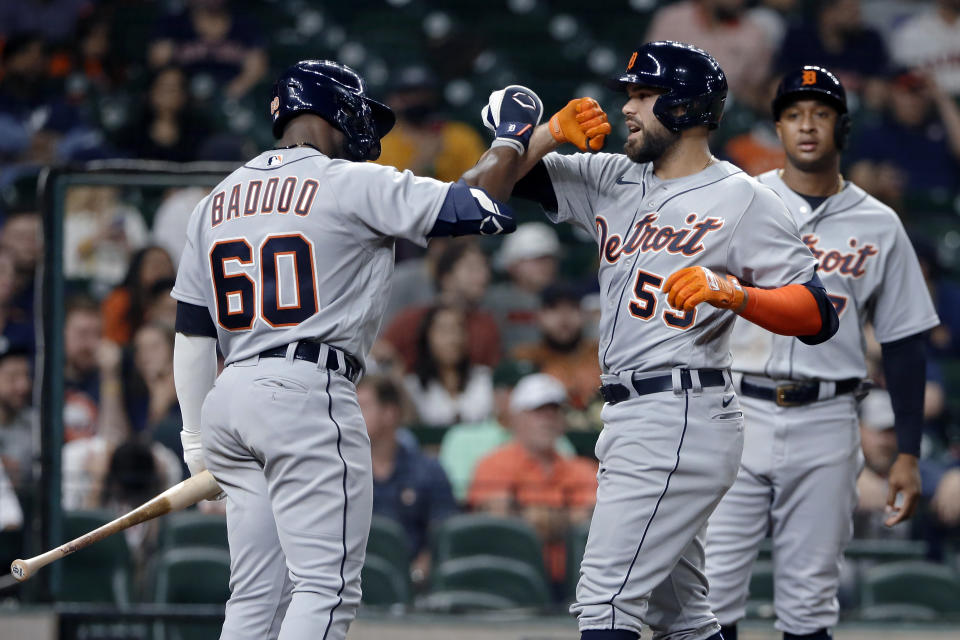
(287, 265)
(672, 224)
(801, 453)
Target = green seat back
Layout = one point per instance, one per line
(195, 529)
(98, 573)
(513, 580)
(388, 541)
(913, 583)
(474, 534)
(383, 583)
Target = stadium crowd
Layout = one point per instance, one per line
(481, 393)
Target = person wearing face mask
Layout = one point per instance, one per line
(423, 140)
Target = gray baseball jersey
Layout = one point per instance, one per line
(295, 245)
(871, 274)
(647, 228)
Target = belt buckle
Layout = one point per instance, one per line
(781, 393)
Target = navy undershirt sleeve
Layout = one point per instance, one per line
(829, 322)
(536, 186)
(194, 320)
(905, 370)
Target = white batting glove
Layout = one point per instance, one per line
(512, 113)
(193, 454)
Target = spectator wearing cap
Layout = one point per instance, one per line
(423, 140)
(530, 256)
(562, 351)
(931, 41)
(529, 478)
(739, 44)
(917, 140)
(408, 486)
(461, 277)
(465, 444)
(836, 38)
(17, 417)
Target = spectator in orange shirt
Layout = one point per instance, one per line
(124, 308)
(462, 276)
(529, 478)
(563, 352)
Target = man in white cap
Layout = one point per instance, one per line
(529, 478)
(530, 258)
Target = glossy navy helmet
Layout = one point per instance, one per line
(815, 82)
(336, 93)
(690, 76)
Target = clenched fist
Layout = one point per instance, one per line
(512, 113)
(581, 122)
(689, 287)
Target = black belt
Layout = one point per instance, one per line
(793, 394)
(310, 351)
(614, 393)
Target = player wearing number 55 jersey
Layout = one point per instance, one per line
(672, 223)
(801, 453)
(287, 265)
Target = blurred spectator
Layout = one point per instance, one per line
(408, 486)
(100, 235)
(531, 258)
(124, 309)
(88, 61)
(771, 17)
(55, 19)
(170, 221)
(16, 329)
(36, 124)
(17, 417)
(445, 387)
(530, 479)
(918, 140)
(168, 127)
(944, 339)
(464, 445)
(461, 277)
(562, 351)
(423, 141)
(837, 38)
(213, 39)
(20, 239)
(150, 397)
(414, 280)
(81, 368)
(11, 515)
(161, 309)
(758, 149)
(930, 42)
(740, 45)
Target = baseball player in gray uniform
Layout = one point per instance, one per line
(287, 265)
(675, 228)
(801, 458)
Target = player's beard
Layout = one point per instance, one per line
(653, 145)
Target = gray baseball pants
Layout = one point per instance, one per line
(666, 459)
(286, 441)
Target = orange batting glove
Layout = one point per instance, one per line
(689, 287)
(581, 122)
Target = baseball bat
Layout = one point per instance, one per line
(179, 496)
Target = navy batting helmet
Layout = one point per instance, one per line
(691, 77)
(818, 83)
(336, 93)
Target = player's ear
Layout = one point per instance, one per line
(779, 133)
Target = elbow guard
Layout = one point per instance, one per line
(471, 211)
(829, 321)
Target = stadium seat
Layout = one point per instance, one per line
(513, 580)
(576, 545)
(82, 573)
(11, 546)
(192, 575)
(383, 583)
(458, 601)
(912, 583)
(474, 534)
(195, 529)
(760, 597)
(881, 550)
(388, 541)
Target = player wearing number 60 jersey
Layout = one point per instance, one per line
(671, 223)
(287, 265)
(801, 454)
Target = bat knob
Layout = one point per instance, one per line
(19, 570)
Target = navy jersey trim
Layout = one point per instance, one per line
(633, 267)
(666, 486)
(346, 504)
